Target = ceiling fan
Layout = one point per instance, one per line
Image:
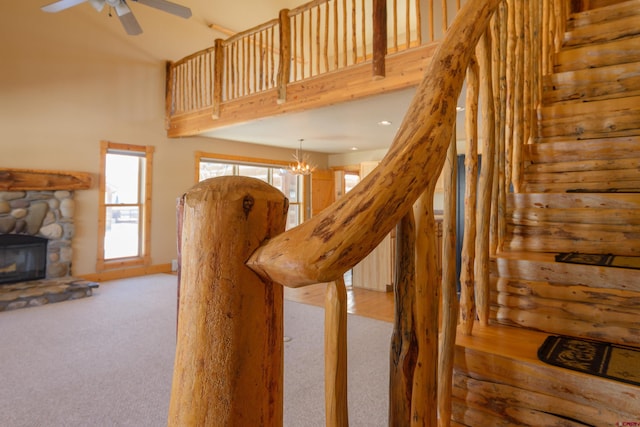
(129, 22)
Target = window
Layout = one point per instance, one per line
(125, 212)
(270, 171)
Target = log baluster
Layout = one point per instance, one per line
(424, 396)
(404, 344)
(485, 185)
(335, 351)
(450, 305)
(467, 298)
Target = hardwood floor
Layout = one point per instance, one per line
(361, 302)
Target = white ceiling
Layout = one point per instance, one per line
(336, 129)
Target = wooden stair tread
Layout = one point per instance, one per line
(548, 150)
(542, 267)
(627, 26)
(515, 343)
(498, 375)
(605, 13)
(573, 200)
(603, 54)
(592, 84)
(606, 118)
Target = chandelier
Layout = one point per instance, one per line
(301, 165)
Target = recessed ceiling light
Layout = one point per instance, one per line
(384, 123)
(354, 148)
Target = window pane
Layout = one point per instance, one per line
(211, 170)
(288, 183)
(350, 181)
(122, 173)
(259, 172)
(293, 216)
(122, 232)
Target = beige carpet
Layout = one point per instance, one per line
(108, 360)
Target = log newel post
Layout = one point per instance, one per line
(284, 70)
(379, 38)
(229, 355)
(218, 77)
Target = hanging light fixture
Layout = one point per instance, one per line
(302, 165)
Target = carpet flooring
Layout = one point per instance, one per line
(108, 360)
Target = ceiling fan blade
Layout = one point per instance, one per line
(97, 4)
(61, 5)
(167, 6)
(130, 23)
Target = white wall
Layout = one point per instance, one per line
(66, 86)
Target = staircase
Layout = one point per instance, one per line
(580, 193)
(581, 188)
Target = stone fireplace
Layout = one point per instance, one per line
(44, 214)
(36, 234)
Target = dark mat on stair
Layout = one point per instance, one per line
(599, 259)
(592, 357)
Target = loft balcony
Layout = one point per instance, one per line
(321, 53)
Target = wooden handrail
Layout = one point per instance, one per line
(324, 247)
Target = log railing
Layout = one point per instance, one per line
(316, 38)
(235, 257)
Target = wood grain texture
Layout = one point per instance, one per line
(229, 352)
(12, 179)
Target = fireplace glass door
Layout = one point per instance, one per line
(22, 258)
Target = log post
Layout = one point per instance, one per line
(424, 399)
(335, 350)
(467, 283)
(218, 77)
(404, 344)
(485, 185)
(450, 309)
(229, 358)
(379, 38)
(284, 69)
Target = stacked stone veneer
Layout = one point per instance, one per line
(47, 214)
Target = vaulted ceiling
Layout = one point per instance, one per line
(336, 129)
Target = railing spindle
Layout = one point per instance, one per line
(424, 395)
(335, 349)
(450, 304)
(404, 345)
(467, 280)
(485, 184)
